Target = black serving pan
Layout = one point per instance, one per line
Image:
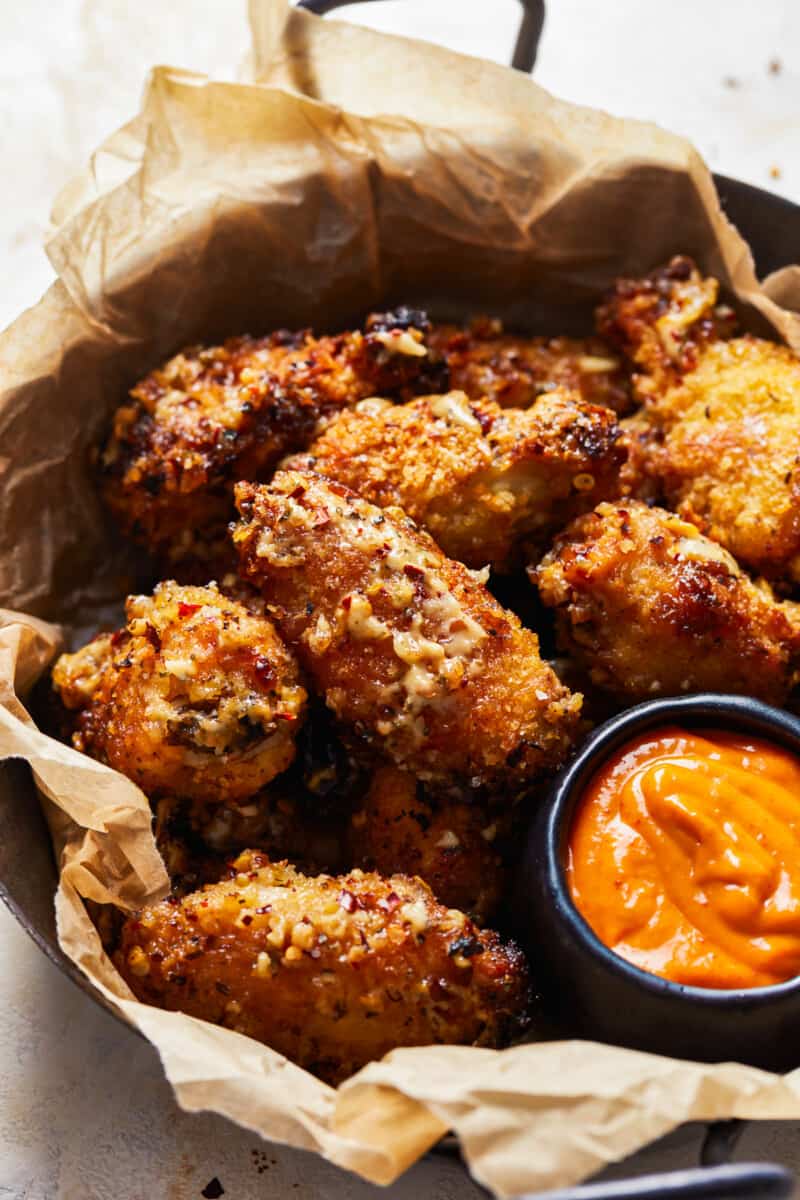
(28, 878)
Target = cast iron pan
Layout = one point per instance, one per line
(28, 879)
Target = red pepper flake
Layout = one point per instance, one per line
(298, 492)
(247, 920)
(389, 903)
(347, 901)
(285, 717)
(413, 572)
(348, 600)
(188, 610)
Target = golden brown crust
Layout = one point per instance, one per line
(649, 606)
(197, 696)
(724, 447)
(210, 417)
(332, 971)
(513, 370)
(484, 481)
(453, 847)
(718, 438)
(417, 660)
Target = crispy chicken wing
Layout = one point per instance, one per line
(197, 696)
(210, 417)
(513, 370)
(398, 827)
(719, 435)
(649, 606)
(331, 971)
(417, 660)
(484, 481)
(196, 838)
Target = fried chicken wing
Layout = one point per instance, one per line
(513, 370)
(719, 434)
(210, 417)
(332, 972)
(484, 481)
(197, 696)
(398, 827)
(649, 606)
(196, 838)
(416, 659)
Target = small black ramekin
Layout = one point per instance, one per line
(590, 991)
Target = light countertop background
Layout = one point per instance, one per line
(84, 1111)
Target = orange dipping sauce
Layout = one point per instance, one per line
(684, 857)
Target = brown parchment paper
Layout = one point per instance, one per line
(351, 170)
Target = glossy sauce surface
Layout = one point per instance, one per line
(684, 857)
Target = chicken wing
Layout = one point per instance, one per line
(332, 972)
(210, 417)
(416, 659)
(719, 434)
(513, 370)
(398, 827)
(197, 696)
(485, 482)
(649, 606)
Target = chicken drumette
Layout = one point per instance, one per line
(487, 483)
(419, 663)
(197, 696)
(332, 971)
(718, 436)
(648, 606)
(452, 846)
(210, 417)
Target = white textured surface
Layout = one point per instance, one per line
(84, 1112)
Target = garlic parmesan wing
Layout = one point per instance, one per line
(332, 971)
(418, 662)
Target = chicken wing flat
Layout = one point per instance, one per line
(452, 846)
(210, 417)
(332, 972)
(649, 606)
(484, 481)
(719, 435)
(513, 370)
(418, 662)
(197, 696)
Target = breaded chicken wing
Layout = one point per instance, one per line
(398, 827)
(484, 481)
(649, 606)
(419, 663)
(719, 435)
(196, 838)
(210, 417)
(664, 323)
(332, 972)
(197, 696)
(513, 370)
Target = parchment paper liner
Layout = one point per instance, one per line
(301, 199)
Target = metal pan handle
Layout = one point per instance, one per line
(742, 1181)
(530, 30)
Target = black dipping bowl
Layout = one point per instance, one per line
(588, 988)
